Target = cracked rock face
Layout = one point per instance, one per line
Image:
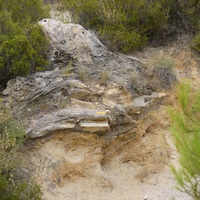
(82, 134)
(71, 42)
(50, 102)
(88, 121)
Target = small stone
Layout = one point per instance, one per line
(146, 197)
(52, 187)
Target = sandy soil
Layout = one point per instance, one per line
(120, 181)
(71, 168)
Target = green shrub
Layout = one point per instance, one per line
(163, 62)
(127, 24)
(185, 127)
(15, 56)
(23, 45)
(40, 48)
(13, 187)
(196, 43)
(8, 28)
(23, 54)
(24, 11)
(120, 39)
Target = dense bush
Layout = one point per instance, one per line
(23, 45)
(13, 187)
(129, 25)
(186, 131)
(184, 15)
(26, 10)
(196, 43)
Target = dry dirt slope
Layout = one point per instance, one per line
(84, 167)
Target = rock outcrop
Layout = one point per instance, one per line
(82, 130)
(72, 43)
(50, 102)
(92, 121)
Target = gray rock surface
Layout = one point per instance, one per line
(57, 100)
(92, 121)
(50, 102)
(51, 88)
(73, 42)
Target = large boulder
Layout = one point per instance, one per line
(54, 101)
(72, 43)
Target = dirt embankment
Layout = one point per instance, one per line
(77, 166)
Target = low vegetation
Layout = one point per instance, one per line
(163, 73)
(129, 25)
(82, 73)
(196, 43)
(185, 128)
(13, 187)
(104, 77)
(23, 45)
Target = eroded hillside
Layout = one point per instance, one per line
(99, 139)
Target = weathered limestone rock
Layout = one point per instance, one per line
(47, 89)
(78, 90)
(73, 42)
(54, 101)
(93, 121)
(143, 101)
(94, 127)
(69, 104)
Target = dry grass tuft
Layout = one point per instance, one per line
(104, 76)
(82, 74)
(163, 76)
